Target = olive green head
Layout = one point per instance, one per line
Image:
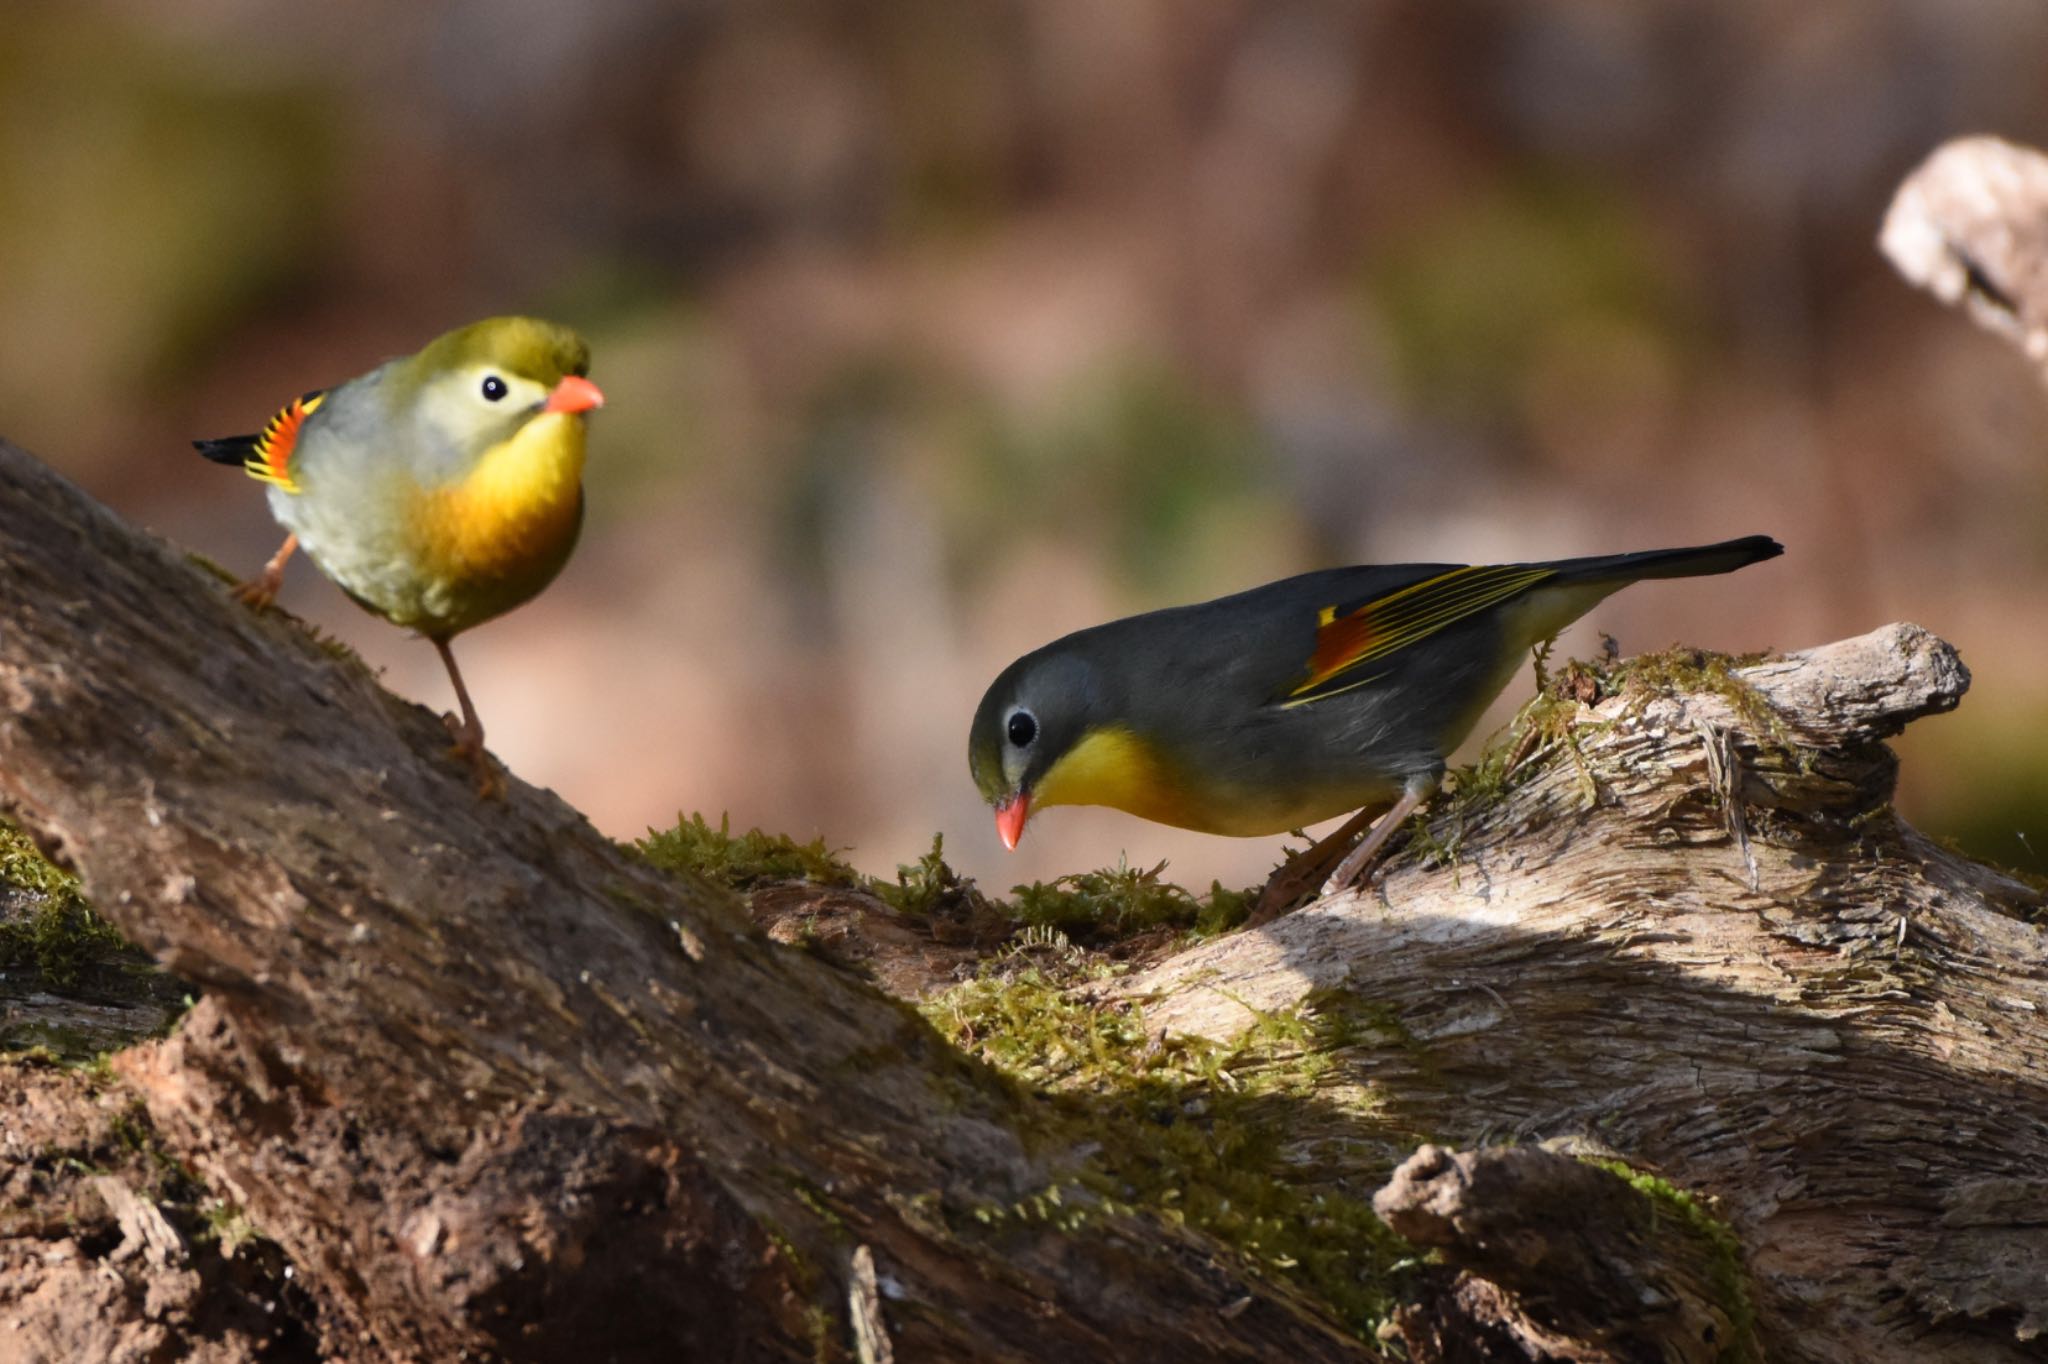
(477, 387)
(541, 352)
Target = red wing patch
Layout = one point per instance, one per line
(1349, 635)
(1339, 640)
(270, 461)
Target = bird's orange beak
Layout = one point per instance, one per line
(574, 394)
(1010, 817)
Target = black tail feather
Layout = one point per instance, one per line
(227, 449)
(1692, 562)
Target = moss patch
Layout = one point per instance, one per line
(741, 861)
(1727, 1275)
(76, 987)
(1550, 727)
(1118, 901)
(45, 922)
(1094, 908)
(1199, 1133)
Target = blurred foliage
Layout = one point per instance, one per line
(1081, 308)
(1138, 460)
(1993, 781)
(150, 207)
(1475, 300)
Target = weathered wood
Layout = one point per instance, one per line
(498, 1087)
(1970, 226)
(1706, 940)
(1549, 1256)
(107, 1254)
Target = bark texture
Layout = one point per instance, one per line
(499, 1089)
(1706, 940)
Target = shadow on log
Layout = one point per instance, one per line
(498, 1087)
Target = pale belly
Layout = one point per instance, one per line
(435, 588)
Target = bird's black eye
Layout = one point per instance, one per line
(494, 388)
(1023, 729)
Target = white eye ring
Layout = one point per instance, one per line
(495, 388)
(1021, 728)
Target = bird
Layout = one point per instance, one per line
(439, 490)
(1333, 692)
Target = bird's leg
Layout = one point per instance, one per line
(1353, 867)
(1303, 873)
(261, 590)
(469, 731)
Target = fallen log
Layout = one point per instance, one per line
(494, 1084)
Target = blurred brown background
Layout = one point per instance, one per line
(932, 329)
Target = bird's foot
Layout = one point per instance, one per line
(1286, 889)
(1295, 881)
(1353, 878)
(469, 747)
(1372, 849)
(260, 591)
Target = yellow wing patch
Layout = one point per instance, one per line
(1347, 637)
(271, 459)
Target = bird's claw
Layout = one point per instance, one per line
(1284, 890)
(257, 593)
(469, 748)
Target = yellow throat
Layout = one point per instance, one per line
(515, 509)
(1113, 766)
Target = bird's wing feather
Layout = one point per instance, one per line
(267, 456)
(1351, 634)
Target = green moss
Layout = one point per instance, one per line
(929, 887)
(1199, 1133)
(224, 1224)
(1094, 907)
(212, 567)
(1727, 1276)
(742, 861)
(336, 648)
(1687, 671)
(1116, 902)
(1551, 727)
(45, 921)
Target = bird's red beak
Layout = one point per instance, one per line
(574, 394)
(1010, 817)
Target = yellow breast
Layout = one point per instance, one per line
(1113, 766)
(516, 510)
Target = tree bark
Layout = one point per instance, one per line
(497, 1087)
(1707, 941)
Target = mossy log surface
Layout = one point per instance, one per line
(1702, 937)
(495, 1087)
(500, 1088)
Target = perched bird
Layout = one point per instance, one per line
(1276, 708)
(438, 490)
